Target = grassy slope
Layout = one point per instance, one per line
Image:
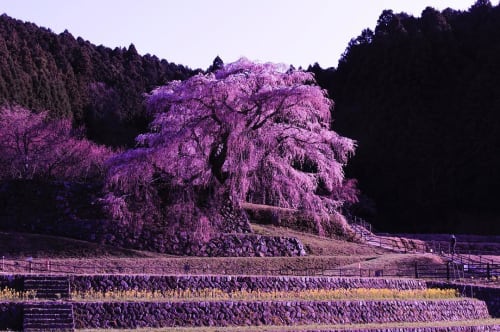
(321, 246)
(22, 245)
(68, 255)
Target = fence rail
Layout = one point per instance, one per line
(462, 256)
(449, 271)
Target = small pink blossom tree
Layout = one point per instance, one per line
(250, 132)
(35, 147)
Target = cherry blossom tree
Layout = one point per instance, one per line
(35, 147)
(248, 132)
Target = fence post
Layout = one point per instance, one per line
(488, 271)
(30, 266)
(448, 271)
(3, 263)
(416, 270)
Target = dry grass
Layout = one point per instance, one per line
(215, 294)
(318, 245)
(401, 261)
(191, 265)
(335, 226)
(7, 294)
(21, 245)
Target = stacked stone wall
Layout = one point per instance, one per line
(102, 283)
(132, 315)
(490, 295)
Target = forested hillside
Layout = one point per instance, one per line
(422, 98)
(98, 87)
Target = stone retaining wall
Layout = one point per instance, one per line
(226, 245)
(133, 315)
(232, 283)
(490, 295)
(100, 282)
(226, 313)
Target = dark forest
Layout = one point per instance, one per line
(421, 97)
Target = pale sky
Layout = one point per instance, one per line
(194, 32)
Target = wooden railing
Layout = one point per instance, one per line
(450, 270)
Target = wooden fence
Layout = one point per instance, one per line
(448, 271)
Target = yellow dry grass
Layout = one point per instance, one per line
(214, 294)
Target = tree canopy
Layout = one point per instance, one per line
(35, 147)
(249, 132)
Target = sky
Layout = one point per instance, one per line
(194, 32)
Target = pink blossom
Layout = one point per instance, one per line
(259, 131)
(32, 146)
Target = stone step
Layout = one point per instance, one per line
(48, 314)
(48, 317)
(45, 320)
(47, 305)
(34, 283)
(45, 276)
(46, 328)
(49, 310)
(48, 323)
(45, 281)
(65, 322)
(48, 287)
(58, 289)
(45, 284)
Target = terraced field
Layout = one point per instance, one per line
(113, 288)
